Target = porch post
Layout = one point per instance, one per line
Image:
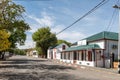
(93, 56)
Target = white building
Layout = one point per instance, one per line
(93, 51)
(54, 52)
(32, 53)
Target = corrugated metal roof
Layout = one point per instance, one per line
(103, 35)
(83, 47)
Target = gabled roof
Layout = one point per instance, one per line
(51, 47)
(83, 47)
(103, 35)
(56, 46)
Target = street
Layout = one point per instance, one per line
(28, 68)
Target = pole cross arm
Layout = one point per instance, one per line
(116, 6)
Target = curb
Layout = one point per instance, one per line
(85, 67)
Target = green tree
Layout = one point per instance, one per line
(4, 42)
(19, 52)
(44, 39)
(39, 50)
(63, 41)
(12, 20)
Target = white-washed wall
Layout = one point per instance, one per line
(67, 61)
(48, 54)
(100, 43)
(58, 55)
(86, 63)
(59, 50)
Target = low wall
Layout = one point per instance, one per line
(86, 63)
(67, 61)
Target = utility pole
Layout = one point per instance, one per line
(118, 7)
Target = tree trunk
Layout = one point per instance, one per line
(3, 56)
(44, 52)
(0, 55)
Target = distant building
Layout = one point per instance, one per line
(54, 52)
(32, 53)
(97, 50)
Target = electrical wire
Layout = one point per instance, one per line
(32, 0)
(114, 14)
(118, 2)
(89, 12)
(111, 20)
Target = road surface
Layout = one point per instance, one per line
(28, 68)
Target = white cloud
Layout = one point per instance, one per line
(50, 7)
(28, 44)
(57, 28)
(34, 27)
(45, 20)
(71, 36)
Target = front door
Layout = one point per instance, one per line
(89, 55)
(74, 57)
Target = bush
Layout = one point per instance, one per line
(19, 52)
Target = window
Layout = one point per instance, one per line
(69, 56)
(89, 56)
(75, 56)
(64, 55)
(63, 47)
(82, 56)
(114, 46)
(34, 53)
(78, 56)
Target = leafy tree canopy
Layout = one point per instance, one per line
(12, 20)
(44, 39)
(4, 42)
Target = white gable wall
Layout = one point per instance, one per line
(82, 42)
(101, 43)
(55, 53)
(59, 50)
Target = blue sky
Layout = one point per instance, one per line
(58, 14)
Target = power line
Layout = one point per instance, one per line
(93, 9)
(32, 0)
(111, 20)
(108, 28)
(118, 2)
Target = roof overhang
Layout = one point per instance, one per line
(83, 47)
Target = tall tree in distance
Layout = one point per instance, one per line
(44, 39)
(12, 20)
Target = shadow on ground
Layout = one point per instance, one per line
(39, 76)
(24, 64)
(18, 61)
(38, 71)
(40, 67)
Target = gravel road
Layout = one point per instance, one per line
(28, 68)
